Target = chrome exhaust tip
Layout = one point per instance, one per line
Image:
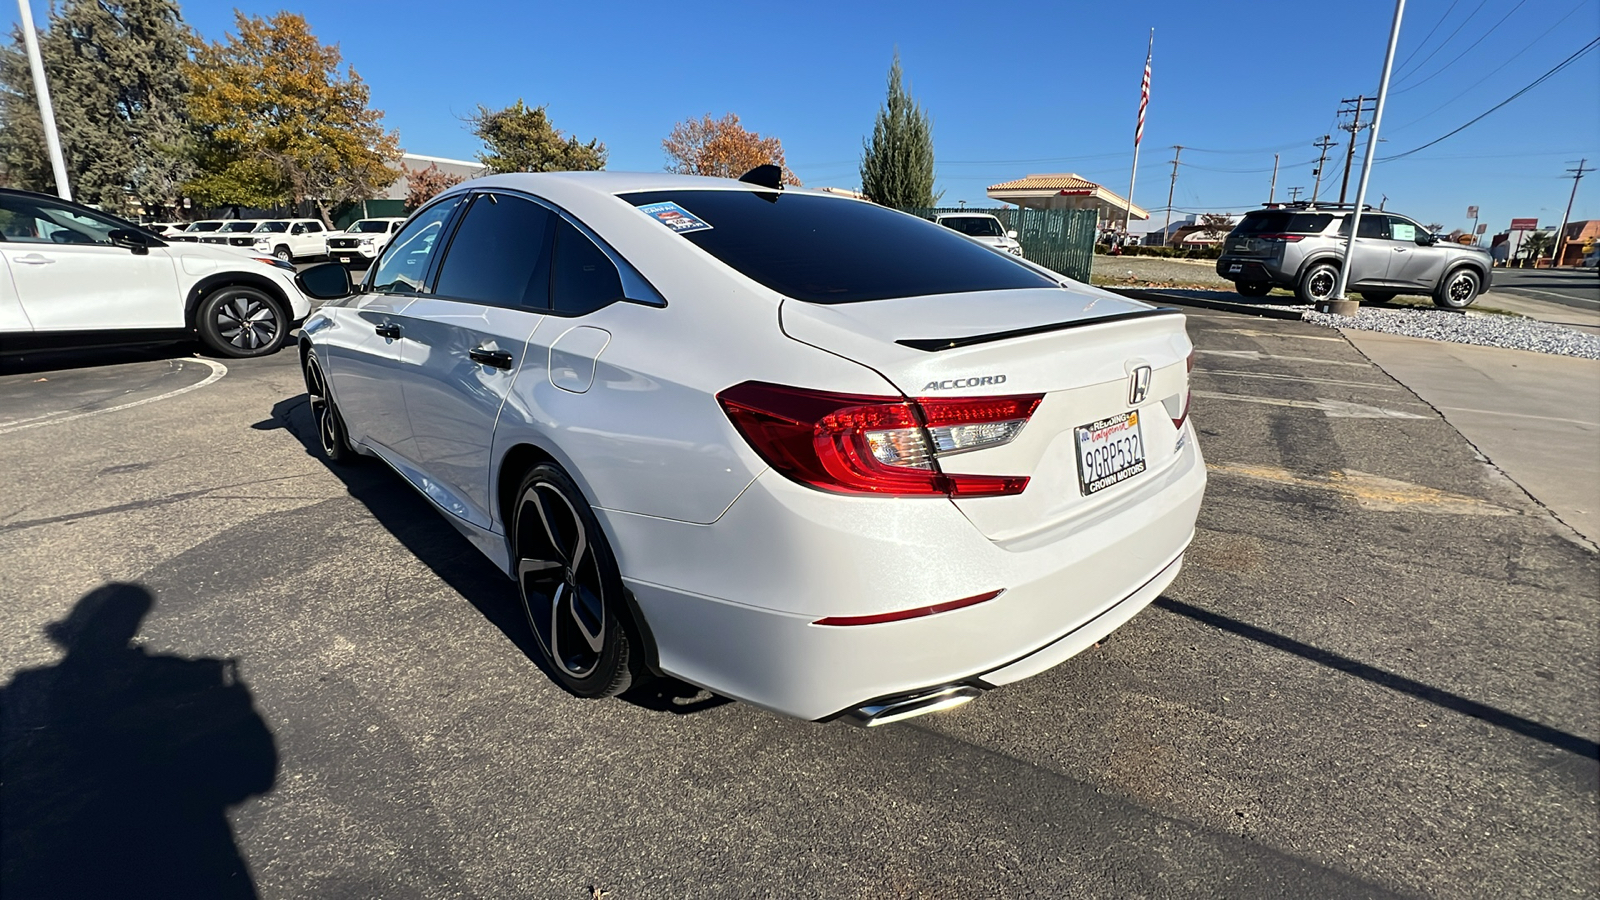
(906, 706)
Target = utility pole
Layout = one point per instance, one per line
(1354, 126)
(1561, 233)
(1323, 143)
(1294, 193)
(1166, 230)
(1336, 302)
(1273, 188)
(41, 90)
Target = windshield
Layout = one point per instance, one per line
(204, 226)
(369, 226)
(237, 226)
(974, 226)
(272, 227)
(833, 250)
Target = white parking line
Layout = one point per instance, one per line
(1333, 409)
(1252, 332)
(217, 371)
(1257, 355)
(1297, 378)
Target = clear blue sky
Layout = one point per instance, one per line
(1014, 88)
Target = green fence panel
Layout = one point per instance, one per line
(1061, 240)
(368, 209)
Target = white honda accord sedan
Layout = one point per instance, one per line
(797, 449)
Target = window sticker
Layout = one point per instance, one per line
(1404, 232)
(675, 217)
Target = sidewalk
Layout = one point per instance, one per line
(1514, 300)
(1536, 416)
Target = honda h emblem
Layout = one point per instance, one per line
(1138, 385)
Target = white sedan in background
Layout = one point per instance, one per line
(73, 277)
(800, 450)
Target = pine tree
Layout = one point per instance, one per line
(897, 163)
(117, 83)
(521, 138)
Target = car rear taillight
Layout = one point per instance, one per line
(864, 444)
(1183, 414)
(1291, 238)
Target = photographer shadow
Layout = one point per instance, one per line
(119, 764)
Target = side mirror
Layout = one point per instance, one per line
(1012, 234)
(327, 281)
(1424, 239)
(137, 241)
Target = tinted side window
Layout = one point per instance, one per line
(583, 277)
(405, 262)
(1403, 229)
(495, 255)
(1373, 225)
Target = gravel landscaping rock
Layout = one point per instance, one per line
(1486, 330)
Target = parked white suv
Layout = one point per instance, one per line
(196, 230)
(361, 242)
(983, 228)
(71, 276)
(290, 239)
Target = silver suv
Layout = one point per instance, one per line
(1301, 246)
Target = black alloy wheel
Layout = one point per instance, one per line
(241, 321)
(331, 433)
(571, 587)
(1318, 283)
(1253, 288)
(1458, 289)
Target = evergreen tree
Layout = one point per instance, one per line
(117, 83)
(897, 163)
(521, 138)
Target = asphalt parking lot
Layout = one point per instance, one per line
(1378, 675)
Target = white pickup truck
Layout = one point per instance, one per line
(290, 239)
(360, 244)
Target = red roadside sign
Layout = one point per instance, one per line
(1524, 224)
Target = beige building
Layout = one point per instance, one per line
(1066, 191)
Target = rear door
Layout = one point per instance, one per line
(1373, 250)
(470, 333)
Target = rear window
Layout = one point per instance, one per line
(1281, 222)
(828, 250)
(973, 226)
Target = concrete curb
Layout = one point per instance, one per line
(1200, 303)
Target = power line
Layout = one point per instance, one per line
(1491, 73)
(1535, 83)
(1457, 58)
(1425, 38)
(1446, 41)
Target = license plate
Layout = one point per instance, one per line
(1110, 452)
(344, 259)
(1235, 267)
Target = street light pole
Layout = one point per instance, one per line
(41, 89)
(1337, 304)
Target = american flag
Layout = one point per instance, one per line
(1144, 93)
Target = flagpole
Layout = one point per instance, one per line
(1138, 133)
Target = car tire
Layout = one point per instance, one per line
(571, 588)
(282, 252)
(1253, 288)
(1458, 289)
(1378, 296)
(240, 321)
(1318, 282)
(331, 433)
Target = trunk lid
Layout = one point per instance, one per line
(1079, 347)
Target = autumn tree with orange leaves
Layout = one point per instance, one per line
(721, 148)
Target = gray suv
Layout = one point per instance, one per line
(1301, 246)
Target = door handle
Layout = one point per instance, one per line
(34, 259)
(389, 331)
(498, 359)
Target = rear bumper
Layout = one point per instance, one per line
(733, 605)
(1236, 268)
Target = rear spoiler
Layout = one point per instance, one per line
(933, 345)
